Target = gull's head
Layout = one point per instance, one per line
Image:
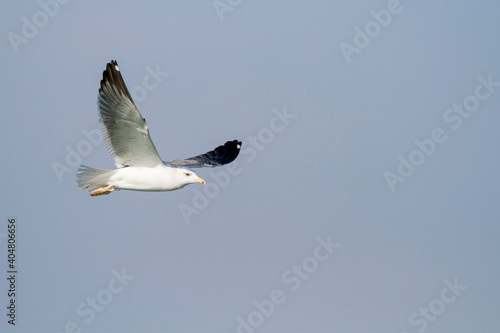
(190, 177)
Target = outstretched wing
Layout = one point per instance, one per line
(124, 130)
(219, 156)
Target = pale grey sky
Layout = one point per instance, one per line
(365, 198)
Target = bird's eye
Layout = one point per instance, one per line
(187, 174)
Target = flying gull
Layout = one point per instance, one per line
(126, 134)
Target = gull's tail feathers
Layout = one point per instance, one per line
(90, 179)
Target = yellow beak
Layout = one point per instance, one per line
(199, 180)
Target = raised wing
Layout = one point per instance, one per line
(219, 156)
(124, 130)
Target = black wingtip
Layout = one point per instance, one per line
(228, 152)
(113, 76)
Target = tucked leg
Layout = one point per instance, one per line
(103, 190)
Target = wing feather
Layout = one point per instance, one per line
(219, 156)
(125, 132)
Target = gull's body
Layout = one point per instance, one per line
(126, 134)
(159, 178)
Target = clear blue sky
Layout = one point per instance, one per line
(365, 198)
